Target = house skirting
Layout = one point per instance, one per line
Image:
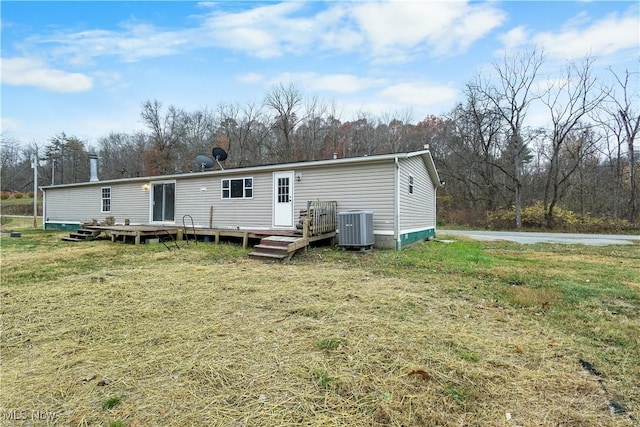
(412, 236)
(62, 225)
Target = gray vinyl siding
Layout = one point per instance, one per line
(128, 201)
(227, 213)
(417, 210)
(196, 195)
(74, 204)
(364, 186)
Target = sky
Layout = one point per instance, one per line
(86, 67)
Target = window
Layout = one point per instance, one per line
(106, 199)
(410, 184)
(241, 188)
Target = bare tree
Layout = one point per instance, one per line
(510, 97)
(243, 127)
(122, 155)
(285, 102)
(199, 136)
(10, 159)
(627, 115)
(569, 101)
(167, 133)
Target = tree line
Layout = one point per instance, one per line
(486, 149)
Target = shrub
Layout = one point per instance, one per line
(18, 195)
(5, 195)
(563, 219)
(30, 194)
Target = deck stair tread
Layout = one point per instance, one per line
(81, 235)
(71, 239)
(279, 247)
(268, 255)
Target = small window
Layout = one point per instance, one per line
(106, 199)
(410, 184)
(241, 188)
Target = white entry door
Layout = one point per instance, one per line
(283, 199)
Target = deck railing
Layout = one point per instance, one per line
(321, 217)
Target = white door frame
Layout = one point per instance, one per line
(152, 185)
(283, 199)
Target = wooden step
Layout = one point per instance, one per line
(81, 235)
(270, 249)
(269, 255)
(279, 247)
(283, 241)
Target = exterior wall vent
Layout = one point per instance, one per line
(355, 229)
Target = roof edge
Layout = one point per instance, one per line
(425, 154)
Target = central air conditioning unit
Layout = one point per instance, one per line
(355, 229)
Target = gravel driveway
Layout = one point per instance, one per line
(529, 237)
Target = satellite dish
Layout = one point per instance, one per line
(204, 162)
(220, 155)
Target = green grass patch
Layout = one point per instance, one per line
(331, 344)
(111, 402)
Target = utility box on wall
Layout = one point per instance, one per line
(355, 229)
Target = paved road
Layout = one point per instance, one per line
(528, 237)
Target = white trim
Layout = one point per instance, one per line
(244, 189)
(274, 194)
(415, 230)
(175, 196)
(384, 232)
(102, 199)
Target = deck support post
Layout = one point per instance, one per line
(245, 240)
(137, 237)
(305, 227)
(217, 237)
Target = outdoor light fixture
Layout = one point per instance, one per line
(299, 177)
(145, 187)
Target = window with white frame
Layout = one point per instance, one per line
(410, 184)
(238, 188)
(106, 199)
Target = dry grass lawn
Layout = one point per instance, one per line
(461, 334)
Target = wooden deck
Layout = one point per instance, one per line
(141, 233)
(317, 222)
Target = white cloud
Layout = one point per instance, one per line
(440, 28)
(250, 78)
(337, 83)
(382, 31)
(263, 31)
(515, 38)
(132, 43)
(606, 36)
(421, 94)
(580, 36)
(32, 72)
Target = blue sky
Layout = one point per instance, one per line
(85, 68)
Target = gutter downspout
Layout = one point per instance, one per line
(397, 207)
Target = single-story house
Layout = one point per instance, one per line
(400, 190)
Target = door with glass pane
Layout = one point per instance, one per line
(163, 202)
(283, 199)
